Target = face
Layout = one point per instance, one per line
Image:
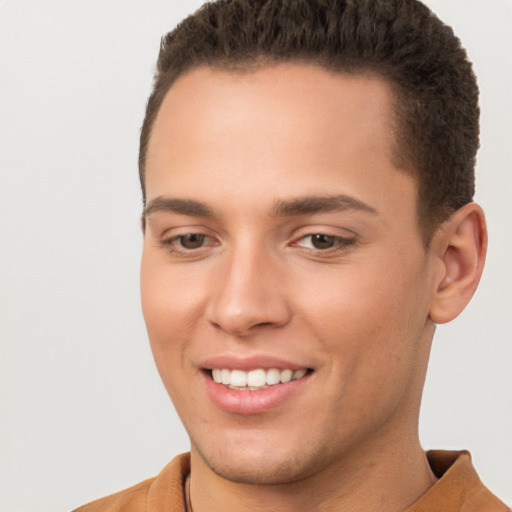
(281, 243)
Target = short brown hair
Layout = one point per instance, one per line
(402, 41)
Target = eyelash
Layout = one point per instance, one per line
(175, 244)
(339, 244)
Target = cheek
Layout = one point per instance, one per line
(169, 306)
(170, 298)
(366, 329)
(370, 314)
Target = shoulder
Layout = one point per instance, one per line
(131, 499)
(459, 488)
(163, 492)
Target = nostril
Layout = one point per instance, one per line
(263, 324)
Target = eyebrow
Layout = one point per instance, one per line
(284, 208)
(182, 206)
(320, 204)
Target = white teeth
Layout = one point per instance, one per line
(225, 376)
(255, 379)
(298, 374)
(273, 376)
(238, 378)
(286, 376)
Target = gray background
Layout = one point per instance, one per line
(83, 412)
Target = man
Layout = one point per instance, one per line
(307, 170)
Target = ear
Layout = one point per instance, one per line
(460, 245)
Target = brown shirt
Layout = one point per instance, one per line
(458, 489)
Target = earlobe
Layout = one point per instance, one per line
(461, 246)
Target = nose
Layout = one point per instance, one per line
(249, 294)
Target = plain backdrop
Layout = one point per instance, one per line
(83, 412)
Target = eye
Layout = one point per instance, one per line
(324, 242)
(188, 244)
(321, 241)
(191, 241)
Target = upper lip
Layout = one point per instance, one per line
(252, 362)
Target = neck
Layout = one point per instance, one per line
(388, 480)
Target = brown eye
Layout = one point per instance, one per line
(192, 240)
(320, 241)
(323, 244)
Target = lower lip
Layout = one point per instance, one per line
(253, 402)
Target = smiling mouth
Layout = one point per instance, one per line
(256, 379)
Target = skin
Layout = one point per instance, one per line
(361, 314)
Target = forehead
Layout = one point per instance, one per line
(282, 101)
(283, 128)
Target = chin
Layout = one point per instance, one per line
(266, 466)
